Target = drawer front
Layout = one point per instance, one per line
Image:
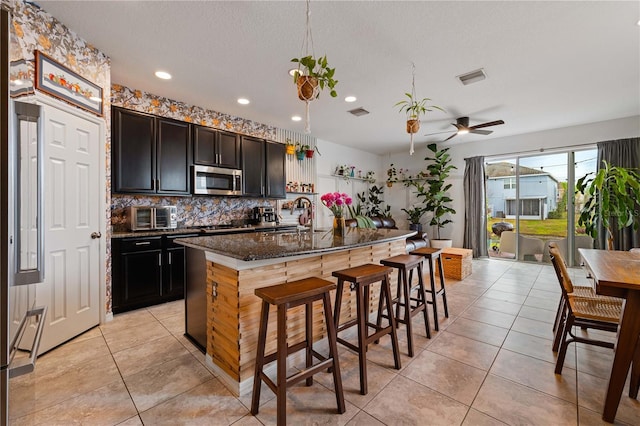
(140, 244)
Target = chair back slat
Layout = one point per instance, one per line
(561, 269)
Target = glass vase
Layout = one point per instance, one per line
(338, 226)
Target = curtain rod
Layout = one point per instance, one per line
(539, 150)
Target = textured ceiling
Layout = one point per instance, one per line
(549, 64)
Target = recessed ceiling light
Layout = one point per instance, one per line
(638, 23)
(296, 118)
(243, 101)
(163, 75)
(350, 99)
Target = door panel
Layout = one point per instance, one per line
(72, 213)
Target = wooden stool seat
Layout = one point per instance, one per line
(434, 255)
(285, 296)
(406, 263)
(361, 277)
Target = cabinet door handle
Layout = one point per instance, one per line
(158, 184)
(219, 158)
(159, 259)
(170, 261)
(143, 243)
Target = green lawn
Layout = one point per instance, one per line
(546, 229)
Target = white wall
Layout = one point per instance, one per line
(334, 155)
(540, 141)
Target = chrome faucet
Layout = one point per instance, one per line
(311, 219)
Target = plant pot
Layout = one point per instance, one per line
(291, 149)
(309, 153)
(413, 125)
(307, 88)
(300, 155)
(416, 227)
(441, 243)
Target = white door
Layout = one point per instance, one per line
(71, 214)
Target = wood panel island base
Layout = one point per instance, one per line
(238, 264)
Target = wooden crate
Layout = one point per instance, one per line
(456, 263)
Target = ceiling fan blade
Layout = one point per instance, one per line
(490, 123)
(438, 133)
(450, 137)
(481, 132)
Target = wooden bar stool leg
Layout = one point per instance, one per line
(333, 353)
(257, 376)
(444, 292)
(394, 335)
(434, 293)
(362, 313)
(281, 415)
(309, 338)
(407, 309)
(422, 298)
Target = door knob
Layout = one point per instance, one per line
(95, 235)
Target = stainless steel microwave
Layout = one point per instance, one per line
(216, 181)
(151, 217)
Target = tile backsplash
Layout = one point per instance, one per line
(192, 211)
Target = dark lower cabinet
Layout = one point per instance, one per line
(146, 271)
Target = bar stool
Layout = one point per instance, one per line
(406, 263)
(285, 296)
(433, 255)
(361, 278)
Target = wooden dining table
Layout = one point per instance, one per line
(617, 273)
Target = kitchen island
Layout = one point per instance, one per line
(235, 265)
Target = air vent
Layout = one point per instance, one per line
(472, 77)
(358, 111)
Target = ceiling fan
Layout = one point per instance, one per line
(462, 124)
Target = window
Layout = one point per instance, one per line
(510, 183)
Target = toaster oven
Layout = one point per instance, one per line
(151, 217)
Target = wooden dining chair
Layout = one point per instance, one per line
(595, 312)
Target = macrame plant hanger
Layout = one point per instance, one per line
(413, 96)
(307, 90)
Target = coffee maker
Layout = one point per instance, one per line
(265, 216)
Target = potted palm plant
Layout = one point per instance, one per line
(415, 214)
(434, 192)
(414, 109)
(312, 76)
(612, 200)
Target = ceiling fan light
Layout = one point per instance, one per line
(463, 131)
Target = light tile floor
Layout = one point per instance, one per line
(490, 363)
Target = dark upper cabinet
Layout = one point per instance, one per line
(275, 157)
(134, 152)
(253, 166)
(216, 148)
(150, 154)
(173, 153)
(263, 168)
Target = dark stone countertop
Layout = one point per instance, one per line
(199, 231)
(272, 245)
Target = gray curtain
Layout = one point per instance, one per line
(475, 209)
(621, 153)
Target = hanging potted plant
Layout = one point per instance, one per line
(312, 76)
(612, 204)
(290, 147)
(301, 150)
(415, 109)
(415, 214)
(309, 151)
